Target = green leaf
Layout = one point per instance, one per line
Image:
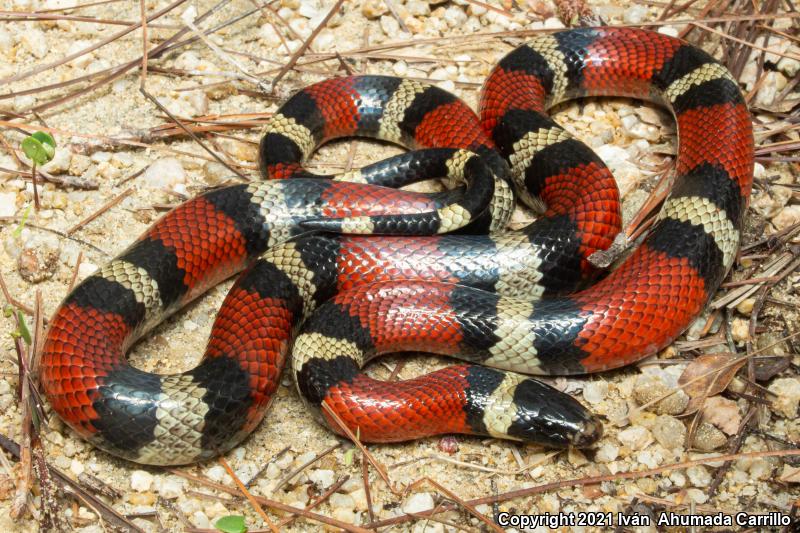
(23, 329)
(44, 138)
(231, 524)
(39, 147)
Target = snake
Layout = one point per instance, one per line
(337, 270)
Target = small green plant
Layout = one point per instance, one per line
(231, 524)
(40, 148)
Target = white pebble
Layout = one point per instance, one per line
(678, 479)
(772, 85)
(607, 453)
(789, 66)
(553, 23)
(389, 25)
(82, 61)
(454, 16)
(170, 487)
(86, 269)
(35, 41)
(141, 481)
(635, 438)
(200, 520)
(308, 9)
(698, 476)
(216, 473)
(418, 502)
(322, 477)
(787, 396)
(672, 31)
(595, 391)
(284, 461)
(418, 8)
(76, 467)
(164, 173)
(400, 68)
(697, 496)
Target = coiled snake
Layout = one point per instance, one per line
(343, 260)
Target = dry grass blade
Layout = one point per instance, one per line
(247, 494)
(105, 207)
(333, 416)
(88, 49)
(108, 514)
(590, 480)
(274, 504)
(306, 43)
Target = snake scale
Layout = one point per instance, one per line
(338, 271)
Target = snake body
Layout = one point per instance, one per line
(361, 268)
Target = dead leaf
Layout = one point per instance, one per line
(790, 474)
(708, 375)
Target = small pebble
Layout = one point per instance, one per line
(745, 307)
(672, 31)
(164, 173)
(60, 162)
(344, 515)
(669, 432)
(708, 438)
(788, 216)
(418, 502)
(76, 467)
(786, 393)
(697, 496)
(698, 476)
(38, 264)
(607, 452)
(338, 500)
(635, 438)
(455, 16)
(789, 66)
(390, 26)
(169, 487)
(595, 392)
(769, 204)
(740, 329)
(373, 9)
(322, 477)
(199, 519)
(553, 23)
(649, 388)
(141, 481)
(216, 473)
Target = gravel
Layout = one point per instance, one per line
(635, 140)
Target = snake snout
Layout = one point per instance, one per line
(552, 418)
(587, 435)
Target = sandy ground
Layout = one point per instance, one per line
(636, 140)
